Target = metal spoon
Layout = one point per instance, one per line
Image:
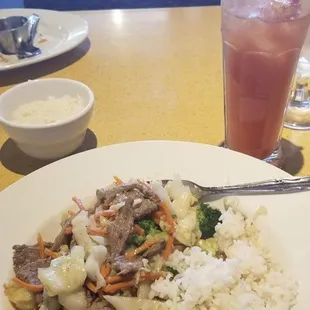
(275, 186)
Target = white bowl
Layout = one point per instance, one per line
(48, 141)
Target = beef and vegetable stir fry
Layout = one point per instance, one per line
(115, 249)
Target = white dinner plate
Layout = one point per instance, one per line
(58, 32)
(35, 202)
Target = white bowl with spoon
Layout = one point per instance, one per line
(47, 118)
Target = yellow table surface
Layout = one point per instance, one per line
(156, 74)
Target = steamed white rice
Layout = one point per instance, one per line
(51, 110)
(247, 279)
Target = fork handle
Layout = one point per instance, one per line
(287, 185)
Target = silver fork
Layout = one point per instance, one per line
(275, 186)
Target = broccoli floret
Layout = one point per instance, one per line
(135, 240)
(171, 270)
(208, 218)
(157, 235)
(150, 228)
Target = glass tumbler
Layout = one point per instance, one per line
(262, 41)
(298, 111)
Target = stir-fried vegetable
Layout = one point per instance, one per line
(169, 220)
(121, 303)
(29, 287)
(168, 248)
(50, 253)
(66, 273)
(162, 194)
(158, 235)
(139, 230)
(209, 245)
(93, 263)
(41, 246)
(119, 278)
(149, 227)
(79, 203)
(91, 286)
(80, 231)
(135, 240)
(128, 281)
(117, 180)
(147, 244)
(168, 217)
(113, 288)
(50, 303)
(171, 270)
(186, 229)
(73, 301)
(99, 240)
(106, 213)
(208, 218)
(21, 297)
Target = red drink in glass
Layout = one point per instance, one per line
(261, 46)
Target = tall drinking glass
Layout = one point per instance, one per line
(262, 40)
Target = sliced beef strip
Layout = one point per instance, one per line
(147, 192)
(24, 254)
(120, 228)
(135, 190)
(145, 208)
(155, 249)
(106, 196)
(62, 238)
(124, 266)
(134, 194)
(29, 272)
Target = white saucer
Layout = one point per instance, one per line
(58, 32)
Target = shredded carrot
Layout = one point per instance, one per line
(29, 287)
(50, 253)
(68, 230)
(119, 278)
(91, 286)
(158, 216)
(41, 246)
(117, 180)
(147, 244)
(113, 288)
(139, 230)
(168, 249)
(105, 213)
(71, 213)
(79, 203)
(105, 270)
(151, 276)
(98, 232)
(164, 208)
(127, 281)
